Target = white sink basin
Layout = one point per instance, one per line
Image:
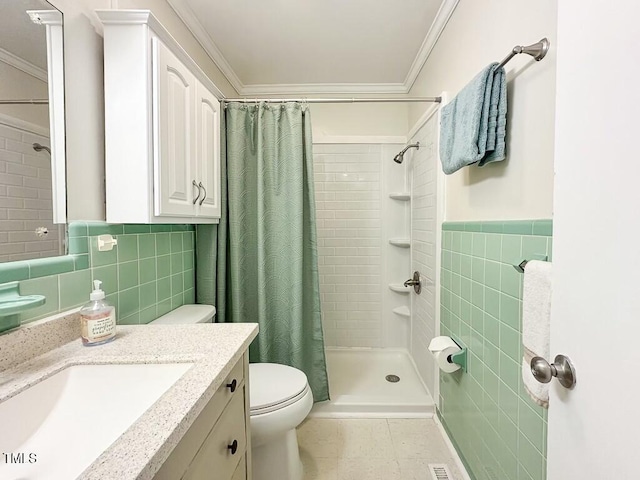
(70, 418)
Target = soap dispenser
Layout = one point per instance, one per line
(98, 318)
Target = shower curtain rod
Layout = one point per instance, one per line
(333, 100)
(25, 102)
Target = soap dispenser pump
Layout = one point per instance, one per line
(98, 318)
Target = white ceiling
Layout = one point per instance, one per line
(317, 46)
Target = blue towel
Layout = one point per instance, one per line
(473, 125)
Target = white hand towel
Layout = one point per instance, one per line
(536, 315)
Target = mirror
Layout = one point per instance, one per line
(32, 136)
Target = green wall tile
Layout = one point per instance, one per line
(148, 295)
(164, 306)
(498, 431)
(79, 245)
(176, 242)
(163, 243)
(510, 311)
(188, 259)
(492, 227)
(136, 274)
(81, 262)
(101, 228)
(479, 245)
(78, 229)
(108, 275)
(187, 241)
(492, 274)
(177, 301)
(164, 289)
(137, 228)
(148, 270)
(494, 247)
(47, 286)
(147, 245)
(128, 275)
(129, 301)
(127, 248)
(543, 227)
(50, 266)
(518, 227)
(176, 263)
(532, 245)
(14, 271)
(163, 265)
(148, 314)
(75, 288)
(98, 258)
(160, 228)
(130, 320)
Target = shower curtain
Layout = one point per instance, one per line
(260, 263)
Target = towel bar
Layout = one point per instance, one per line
(521, 266)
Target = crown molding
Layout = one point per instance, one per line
(190, 19)
(193, 24)
(21, 64)
(23, 125)
(445, 11)
(322, 88)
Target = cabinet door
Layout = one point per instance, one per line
(208, 151)
(174, 134)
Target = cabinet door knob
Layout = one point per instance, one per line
(196, 185)
(233, 447)
(232, 386)
(205, 192)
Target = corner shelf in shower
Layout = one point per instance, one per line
(402, 196)
(399, 288)
(402, 311)
(400, 242)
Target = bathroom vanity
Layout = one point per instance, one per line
(196, 426)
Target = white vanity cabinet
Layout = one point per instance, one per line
(217, 445)
(162, 126)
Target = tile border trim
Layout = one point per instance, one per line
(540, 227)
(78, 234)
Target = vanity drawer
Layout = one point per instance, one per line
(223, 449)
(183, 454)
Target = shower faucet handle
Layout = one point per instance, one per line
(414, 282)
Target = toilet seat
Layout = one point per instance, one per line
(274, 386)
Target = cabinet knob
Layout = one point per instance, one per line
(233, 447)
(196, 185)
(205, 192)
(232, 386)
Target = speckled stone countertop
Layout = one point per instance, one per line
(139, 452)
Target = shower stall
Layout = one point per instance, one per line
(377, 223)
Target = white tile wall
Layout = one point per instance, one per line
(424, 165)
(348, 201)
(25, 197)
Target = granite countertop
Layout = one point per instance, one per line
(139, 452)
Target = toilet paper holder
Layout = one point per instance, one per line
(459, 358)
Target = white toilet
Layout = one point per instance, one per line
(280, 400)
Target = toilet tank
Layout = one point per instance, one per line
(187, 314)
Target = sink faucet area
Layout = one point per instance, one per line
(63, 423)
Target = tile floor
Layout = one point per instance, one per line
(372, 449)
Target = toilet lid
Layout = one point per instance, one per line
(272, 386)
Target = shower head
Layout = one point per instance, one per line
(38, 148)
(400, 156)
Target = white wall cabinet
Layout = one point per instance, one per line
(162, 126)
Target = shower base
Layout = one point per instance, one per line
(359, 389)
